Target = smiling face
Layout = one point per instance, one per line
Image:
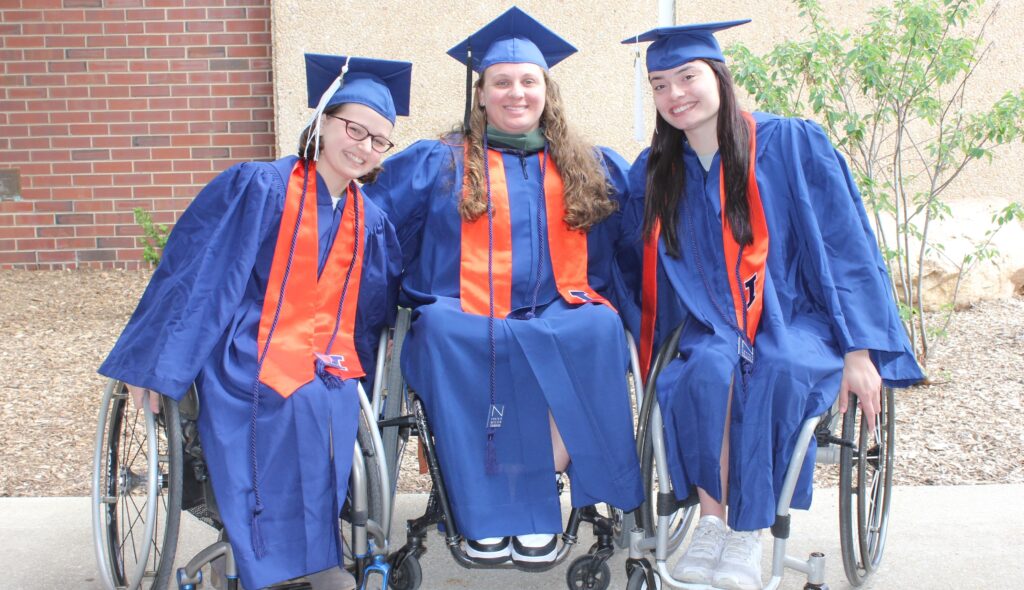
(343, 159)
(687, 98)
(513, 95)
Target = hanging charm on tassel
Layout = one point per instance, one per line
(323, 361)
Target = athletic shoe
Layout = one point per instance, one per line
(698, 563)
(740, 567)
(537, 548)
(489, 550)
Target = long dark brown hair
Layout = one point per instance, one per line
(666, 174)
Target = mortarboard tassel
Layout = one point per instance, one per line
(638, 96)
(259, 547)
(491, 458)
(315, 120)
(469, 90)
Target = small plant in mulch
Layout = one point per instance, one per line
(153, 238)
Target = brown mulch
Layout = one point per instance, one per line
(56, 327)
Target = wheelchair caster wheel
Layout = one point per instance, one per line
(641, 576)
(405, 573)
(588, 572)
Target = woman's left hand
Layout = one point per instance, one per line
(861, 377)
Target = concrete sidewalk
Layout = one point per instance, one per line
(939, 537)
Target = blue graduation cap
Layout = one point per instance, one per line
(675, 46)
(513, 37)
(382, 85)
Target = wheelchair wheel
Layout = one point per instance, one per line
(406, 573)
(865, 489)
(588, 572)
(679, 522)
(640, 577)
(395, 437)
(358, 526)
(136, 491)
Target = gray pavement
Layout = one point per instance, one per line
(939, 537)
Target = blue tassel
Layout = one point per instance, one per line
(491, 459)
(258, 546)
(331, 380)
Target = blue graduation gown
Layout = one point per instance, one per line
(826, 293)
(569, 358)
(198, 321)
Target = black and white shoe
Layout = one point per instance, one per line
(489, 550)
(536, 548)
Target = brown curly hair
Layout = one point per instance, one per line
(587, 190)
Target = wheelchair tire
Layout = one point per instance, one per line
(126, 474)
(408, 575)
(638, 578)
(395, 437)
(865, 489)
(375, 493)
(680, 521)
(588, 572)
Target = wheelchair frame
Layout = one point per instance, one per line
(863, 522)
(588, 571)
(139, 461)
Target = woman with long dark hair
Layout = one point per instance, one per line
(271, 295)
(508, 228)
(755, 237)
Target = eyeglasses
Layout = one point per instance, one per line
(380, 144)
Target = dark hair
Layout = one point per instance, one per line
(666, 175)
(304, 136)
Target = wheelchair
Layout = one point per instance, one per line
(149, 467)
(865, 491)
(404, 416)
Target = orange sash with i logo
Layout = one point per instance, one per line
(749, 295)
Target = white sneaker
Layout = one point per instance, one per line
(534, 548)
(698, 563)
(490, 550)
(740, 567)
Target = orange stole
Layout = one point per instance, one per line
(568, 247)
(753, 263)
(755, 254)
(308, 306)
(649, 299)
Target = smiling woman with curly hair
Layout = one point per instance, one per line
(515, 349)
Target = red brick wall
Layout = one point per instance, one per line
(107, 105)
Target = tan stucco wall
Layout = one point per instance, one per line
(597, 86)
(597, 82)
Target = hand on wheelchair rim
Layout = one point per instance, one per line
(861, 378)
(137, 395)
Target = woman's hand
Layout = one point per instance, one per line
(861, 377)
(154, 398)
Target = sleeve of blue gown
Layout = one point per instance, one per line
(610, 230)
(404, 186)
(840, 242)
(629, 254)
(199, 283)
(382, 265)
